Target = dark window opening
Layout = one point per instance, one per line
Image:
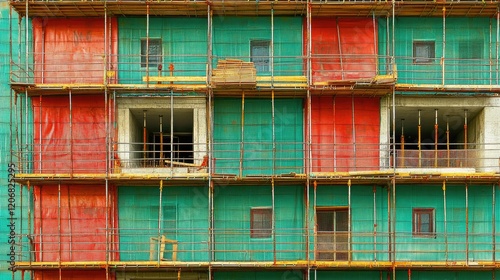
(154, 144)
(261, 222)
(332, 234)
(423, 52)
(260, 55)
(153, 57)
(423, 222)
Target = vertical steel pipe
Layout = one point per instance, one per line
(443, 79)
(445, 226)
(402, 143)
(160, 219)
(465, 137)
(436, 138)
(447, 142)
(493, 222)
(467, 223)
(71, 131)
(273, 129)
(242, 145)
(172, 150)
(340, 50)
(349, 220)
(144, 138)
(374, 223)
(419, 140)
(273, 220)
(161, 163)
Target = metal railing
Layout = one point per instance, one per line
(234, 245)
(248, 158)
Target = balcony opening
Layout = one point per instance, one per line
(167, 138)
(158, 135)
(436, 137)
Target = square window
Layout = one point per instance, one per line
(423, 52)
(423, 222)
(260, 55)
(261, 222)
(470, 49)
(153, 55)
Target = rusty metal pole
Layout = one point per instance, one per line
(340, 51)
(144, 138)
(315, 222)
(493, 222)
(466, 223)
(242, 146)
(374, 223)
(436, 138)
(402, 143)
(444, 49)
(465, 138)
(447, 142)
(161, 163)
(445, 227)
(419, 140)
(349, 221)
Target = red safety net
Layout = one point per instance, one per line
(353, 56)
(337, 143)
(72, 50)
(70, 223)
(69, 138)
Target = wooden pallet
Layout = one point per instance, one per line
(234, 73)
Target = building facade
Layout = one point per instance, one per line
(253, 139)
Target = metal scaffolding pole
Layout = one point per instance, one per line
(242, 145)
(467, 223)
(160, 219)
(445, 226)
(273, 219)
(71, 131)
(444, 48)
(374, 223)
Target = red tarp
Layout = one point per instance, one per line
(353, 58)
(71, 50)
(75, 231)
(69, 142)
(333, 133)
(71, 275)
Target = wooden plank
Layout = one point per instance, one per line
(175, 79)
(302, 79)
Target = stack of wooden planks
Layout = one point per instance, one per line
(234, 73)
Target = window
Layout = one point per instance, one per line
(259, 55)
(261, 222)
(332, 241)
(423, 222)
(423, 52)
(470, 49)
(155, 52)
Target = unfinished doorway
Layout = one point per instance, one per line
(332, 242)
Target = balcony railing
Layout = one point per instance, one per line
(235, 247)
(243, 159)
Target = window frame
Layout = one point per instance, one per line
(261, 232)
(424, 60)
(259, 61)
(147, 59)
(417, 224)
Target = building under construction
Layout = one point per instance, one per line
(231, 139)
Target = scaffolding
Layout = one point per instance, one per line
(190, 130)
